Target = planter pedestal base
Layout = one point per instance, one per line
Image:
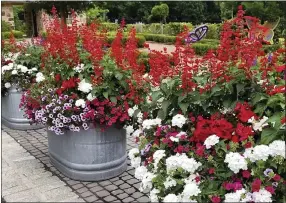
(89, 155)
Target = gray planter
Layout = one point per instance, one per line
(12, 116)
(89, 155)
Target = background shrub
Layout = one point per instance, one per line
(201, 49)
(16, 33)
(213, 31)
(109, 26)
(5, 27)
(141, 39)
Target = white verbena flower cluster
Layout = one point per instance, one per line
(243, 196)
(157, 156)
(149, 123)
(183, 161)
(178, 120)
(40, 77)
(235, 162)
(211, 141)
(84, 86)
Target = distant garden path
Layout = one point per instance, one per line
(159, 47)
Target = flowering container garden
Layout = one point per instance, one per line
(12, 116)
(91, 155)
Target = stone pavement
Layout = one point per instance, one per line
(28, 175)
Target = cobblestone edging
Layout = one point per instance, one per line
(123, 188)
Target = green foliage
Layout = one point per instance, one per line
(97, 14)
(202, 49)
(19, 24)
(213, 31)
(174, 28)
(271, 48)
(5, 27)
(160, 12)
(16, 33)
(141, 39)
(110, 26)
(159, 38)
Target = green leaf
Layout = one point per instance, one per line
(268, 135)
(258, 97)
(113, 99)
(181, 98)
(118, 76)
(239, 87)
(105, 94)
(161, 114)
(165, 105)
(184, 107)
(155, 95)
(276, 118)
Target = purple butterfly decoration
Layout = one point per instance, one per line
(197, 34)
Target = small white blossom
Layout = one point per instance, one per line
(191, 189)
(84, 86)
(211, 141)
(140, 172)
(90, 97)
(129, 130)
(157, 156)
(178, 120)
(80, 103)
(24, 69)
(79, 68)
(14, 72)
(153, 195)
(132, 153)
(171, 198)
(149, 123)
(137, 133)
(135, 163)
(169, 182)
(7, 85)
(40, 77)
(258, 125)
(174, 139)
(262, 196)
(234, 196)
(235, 162)
(277, 148)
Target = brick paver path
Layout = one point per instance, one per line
(30, 176)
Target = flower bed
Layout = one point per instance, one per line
(212, 128)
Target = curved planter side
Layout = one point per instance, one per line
(89, 155)
(12, 116)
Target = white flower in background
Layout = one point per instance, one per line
(146, 181)
(140, 117)
(234, 196)
(79, 68)
(14, 72)
(129, 130)
(34, 69)
(84, 86)
(153, 195)
(262, 196)
(130, 112)
(40, 77)
(235, 162)
(140, 172)
(157, 156)
(147, 124)
(171, 198)
(7, 85)
(261, 152)
(178, 120)
(179, 135)
(80, 103)
(174, 139)
(137, 133)
(182, 160)
(132, 153)
(169, 182)
(24, 69)
(277, 148)
(90, 97)
(211, 141)
(145, 75)
(191, 190)
(248, 153)
(191, 179)
(136, 162)
(258, 125)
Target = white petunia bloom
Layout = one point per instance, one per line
(235, 162)
(277, 148)
(262, 196)
(135, 162)
(191, 190)
(169, 182)
(149, 123)
(146, 181)
(132, 153)
(153, 195)
(14, 72)
(171, 198)
(211, 141)
(261, 152)
(179, 135)
(182, 160)
(129, 130)
(90, 97)
(137, 133)
(140, 117)
(79, 68)
(80, 103)
(34, 69)
(174, 139)
(234, 196)
(24, 69)
(157, 156)
(140, 172)
(130, 112)
(258, 125)
(178, 120)
(84, 86)
(7, 85)
(40, 77)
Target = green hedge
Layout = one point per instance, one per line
(16, 33)
(271, 48)
(201, 49)
(109, 26)
(159, 38)
(5, 27)
(141, 39)
(213, 31)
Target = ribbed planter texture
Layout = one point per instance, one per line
(12, 116)
(89, 155)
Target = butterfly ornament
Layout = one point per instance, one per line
(197, 34)
(263, 32)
